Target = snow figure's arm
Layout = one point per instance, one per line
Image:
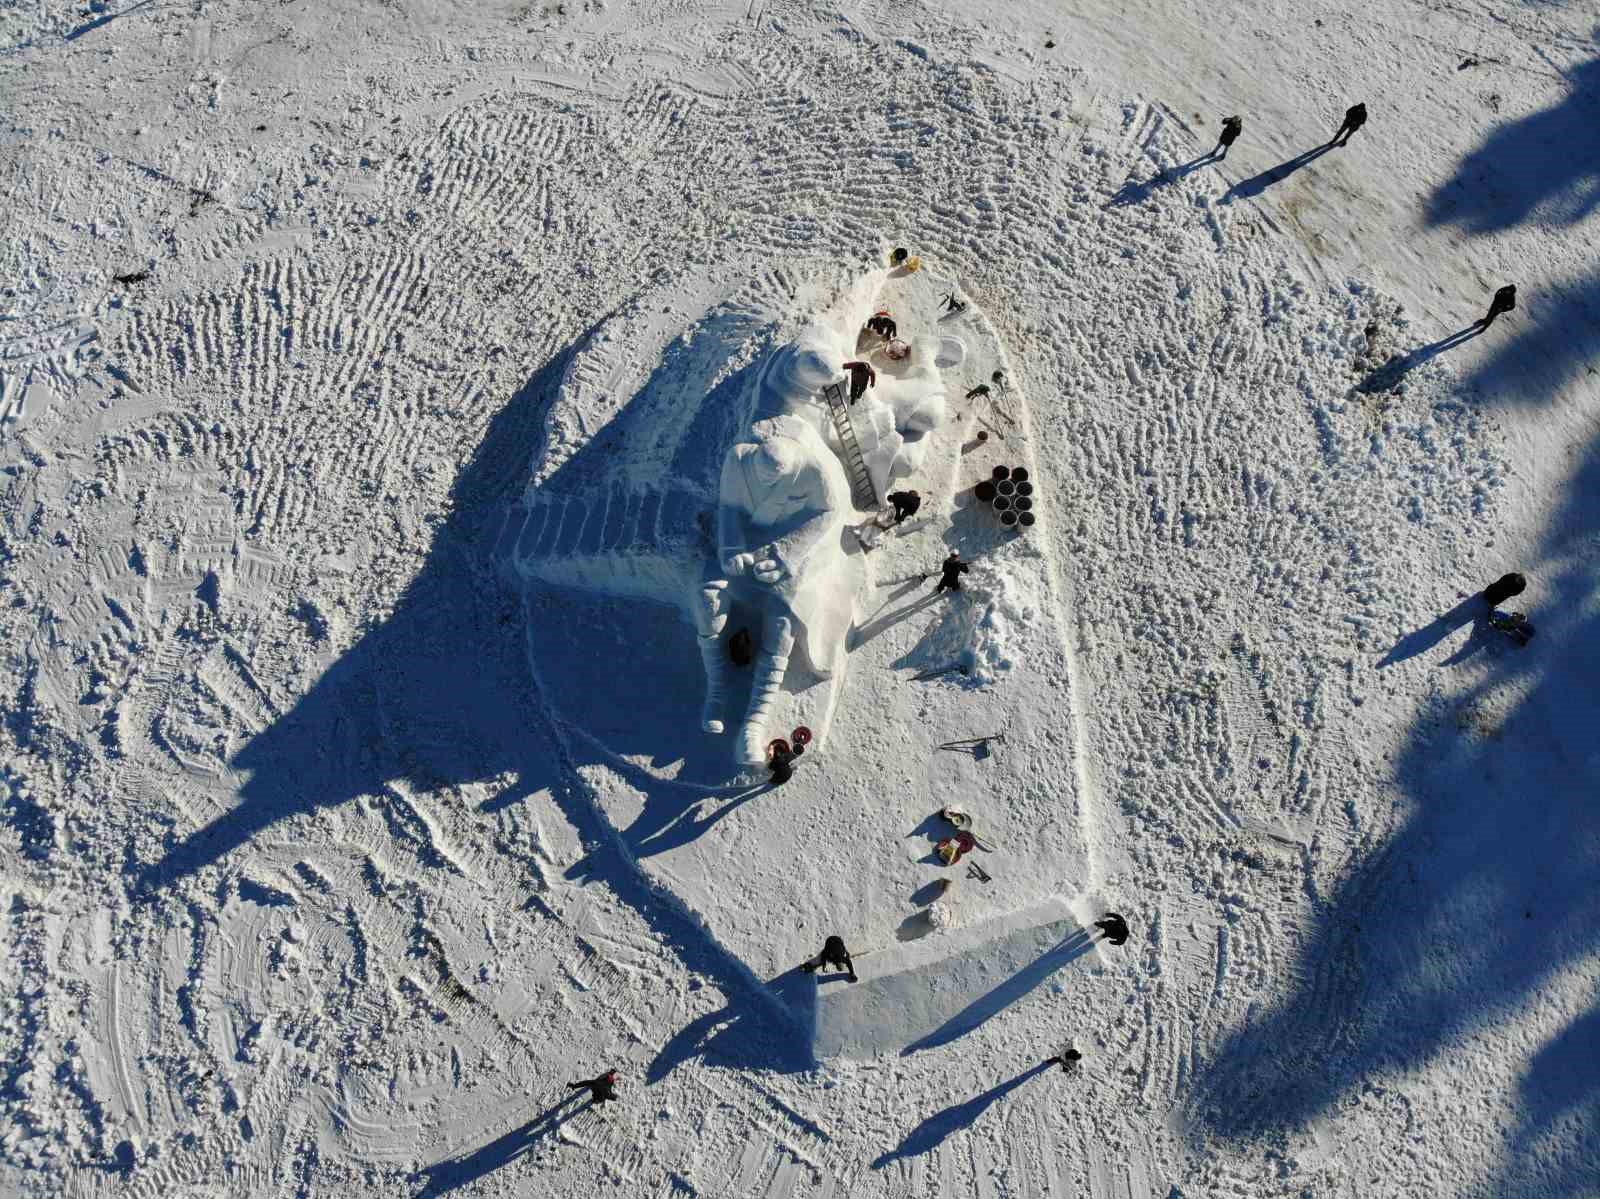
(777, 643)
(710, 618)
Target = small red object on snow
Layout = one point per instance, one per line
(802, 736)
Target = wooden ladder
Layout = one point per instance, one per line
(861, 488)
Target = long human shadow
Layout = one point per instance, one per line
(446, 1176)
(1137, 193)
(1542, 165)
(1420, 641)
(1391, 373)
(1256, 184)
(939, 1127)
(993, 1002)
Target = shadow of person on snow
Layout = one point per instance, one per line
(1132, 192)
(1435, 631)
(939, 1127)
(1390, 374)
(1007, 993)
(1250, 188)
(445, 1176)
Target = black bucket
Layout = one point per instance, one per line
(1019, 475)
(984, 491)
(1000, 472)
(1022, 504)
(1024, 487)
(1001, 504)
(1026, 518)
(1005, 487)
(1009, 519)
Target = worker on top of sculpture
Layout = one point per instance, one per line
(784, 501)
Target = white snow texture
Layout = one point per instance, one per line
(377, 387)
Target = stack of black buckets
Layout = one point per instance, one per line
(1009, 496)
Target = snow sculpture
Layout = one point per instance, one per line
(782, 512)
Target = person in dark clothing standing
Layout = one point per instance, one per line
(950, 573)
(905, 504)
(742, 648)
(601, 1090)
(833, 954)
(1503, 588)
(1354, 117)
(780, 760)
(862, 376)
(1232, 127)
(883, 325)
(1068, 1059)
(1114, 927)
(1504, 301)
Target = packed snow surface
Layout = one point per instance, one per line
(367, 377)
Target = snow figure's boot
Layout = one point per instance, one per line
(771, 665)
(709, 621)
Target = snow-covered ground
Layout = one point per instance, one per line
(333, 846)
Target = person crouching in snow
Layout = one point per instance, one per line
(780, 760)
(862, 376)
(601, 1090)
(905, 504)
(833, 954)
(882, 324)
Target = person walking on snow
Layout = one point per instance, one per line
(1504, 301)
(1114, 927)
(1354, 117)
(1503, 588)
(1068, 1059)
(1232, 127)
(950, 573)
(862, 376)
(601, 1090)
(833, 954)
(905, 504)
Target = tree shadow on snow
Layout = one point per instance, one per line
(1544, 164)
(1489, 893)
(939, 1127)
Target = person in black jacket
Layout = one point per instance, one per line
(1354, 117)
(1114, 927)
(905, 504)
(1503, 588)
(1068, 1059)
(601, 1090)
(1504, 301)
(781, 762)
(1232, 127)
(883, 325)
(862, 376)
(950, 573)
(833, 954)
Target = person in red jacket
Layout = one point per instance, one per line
(601, 1090)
